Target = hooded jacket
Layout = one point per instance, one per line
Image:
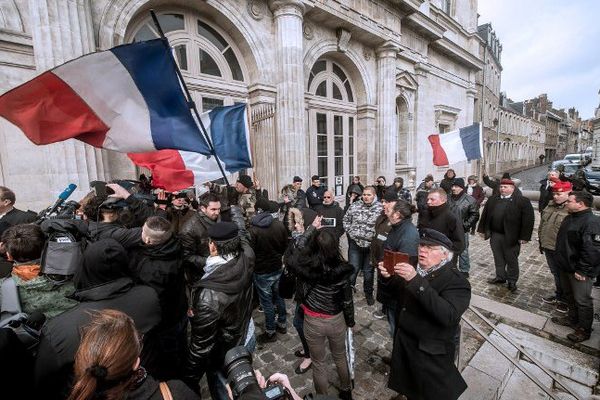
(269, 240)
(359, 221)
(220, 310)
(102, 283)
(442, 219)
(334, 211)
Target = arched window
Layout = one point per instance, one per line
(332, 118)
(206, 56)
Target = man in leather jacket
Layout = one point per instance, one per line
(466, 210)
(220, 303)
(194, 236)
(578, 258)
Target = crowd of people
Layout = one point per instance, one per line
(139, 297)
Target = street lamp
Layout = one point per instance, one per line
(497, 126)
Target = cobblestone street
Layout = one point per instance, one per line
(530, 178)
(372, 340)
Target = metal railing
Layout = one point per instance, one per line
(556, 379)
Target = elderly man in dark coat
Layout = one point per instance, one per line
(431, 300)
(507, 220)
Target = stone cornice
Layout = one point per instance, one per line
(458, 54)
(407, 6)
(388, 49)
(439, 15)
(425, 26)
(15, 37)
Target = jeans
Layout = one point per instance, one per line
(267, 286)
(555, 272)
(319, 331)
(506, 258)
(299, 325)
(464, 265)
(359, 258)
(578, 295)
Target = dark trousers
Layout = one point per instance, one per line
(506, 258)
(555, 273)
(299, 325)
(578, 295)
(359, 257)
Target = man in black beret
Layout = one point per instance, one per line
(432, 299)
(220, 303)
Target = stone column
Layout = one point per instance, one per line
(387, 140)
(63, 30)
(291, 135)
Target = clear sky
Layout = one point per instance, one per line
(549, 46)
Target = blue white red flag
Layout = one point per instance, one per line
(126, 99)
(228, 130)
(464, 144)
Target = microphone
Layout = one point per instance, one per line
(62, 197)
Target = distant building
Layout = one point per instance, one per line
(596, 137)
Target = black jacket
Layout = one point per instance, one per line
(179, 217)
(269, 239)
(60, 336)
(446, 183)
(160, 267)
(429, 312)
(333, 211)
(194, 241)
(127, 237)
(443, 220)
(466, 209)
(403, 237)
(578, 244)
(16, 217)
(517, 221)
(545, 195)
(314, 196)
(220, 311)
(149, 389)
(324, 289)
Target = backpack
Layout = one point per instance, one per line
(63, 252)
(13, 317)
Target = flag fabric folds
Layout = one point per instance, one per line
(228, 130)
(126, 99)
(464, 144)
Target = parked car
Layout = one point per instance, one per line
(593, 177)
(556, 163)
(575, 157)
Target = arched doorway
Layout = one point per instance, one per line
(332, 125)
(210, 62)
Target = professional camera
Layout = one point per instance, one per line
(243, 383)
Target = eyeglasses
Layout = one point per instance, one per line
(326, 197)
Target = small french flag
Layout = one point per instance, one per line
(126, 99)
(464, 144)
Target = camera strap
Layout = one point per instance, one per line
(165, 391)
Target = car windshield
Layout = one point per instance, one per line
(570, 169)
(573, 157)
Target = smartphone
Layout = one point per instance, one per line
(328, 222)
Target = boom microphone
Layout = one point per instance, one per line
(62, 197)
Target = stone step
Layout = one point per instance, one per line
(491, 376)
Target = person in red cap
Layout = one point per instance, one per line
(552, 216)
(507, 220)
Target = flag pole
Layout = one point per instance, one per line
(188, 95)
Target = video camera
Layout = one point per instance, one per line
(243, 383)
(61, 209)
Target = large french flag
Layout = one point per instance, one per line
(228, 130)
(464, 144)
(126, 99)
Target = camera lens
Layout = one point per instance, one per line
(238, 364)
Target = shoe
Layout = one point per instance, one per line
(281, 329)
(496, 281)
(300, 353)
(266, 337)
(563, 321)
(345, 394)
(562, 307)
(299, 370)
(260, 309)
(579, 335)
(549, 300)
(378, 314)
(512, 287)
(370, 300)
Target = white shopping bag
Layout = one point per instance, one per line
(350, 353)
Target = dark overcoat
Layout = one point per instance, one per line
(428, 316)
(518, 219)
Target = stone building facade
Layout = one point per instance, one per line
(487, 101)
(335, 87)
(595, 121)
